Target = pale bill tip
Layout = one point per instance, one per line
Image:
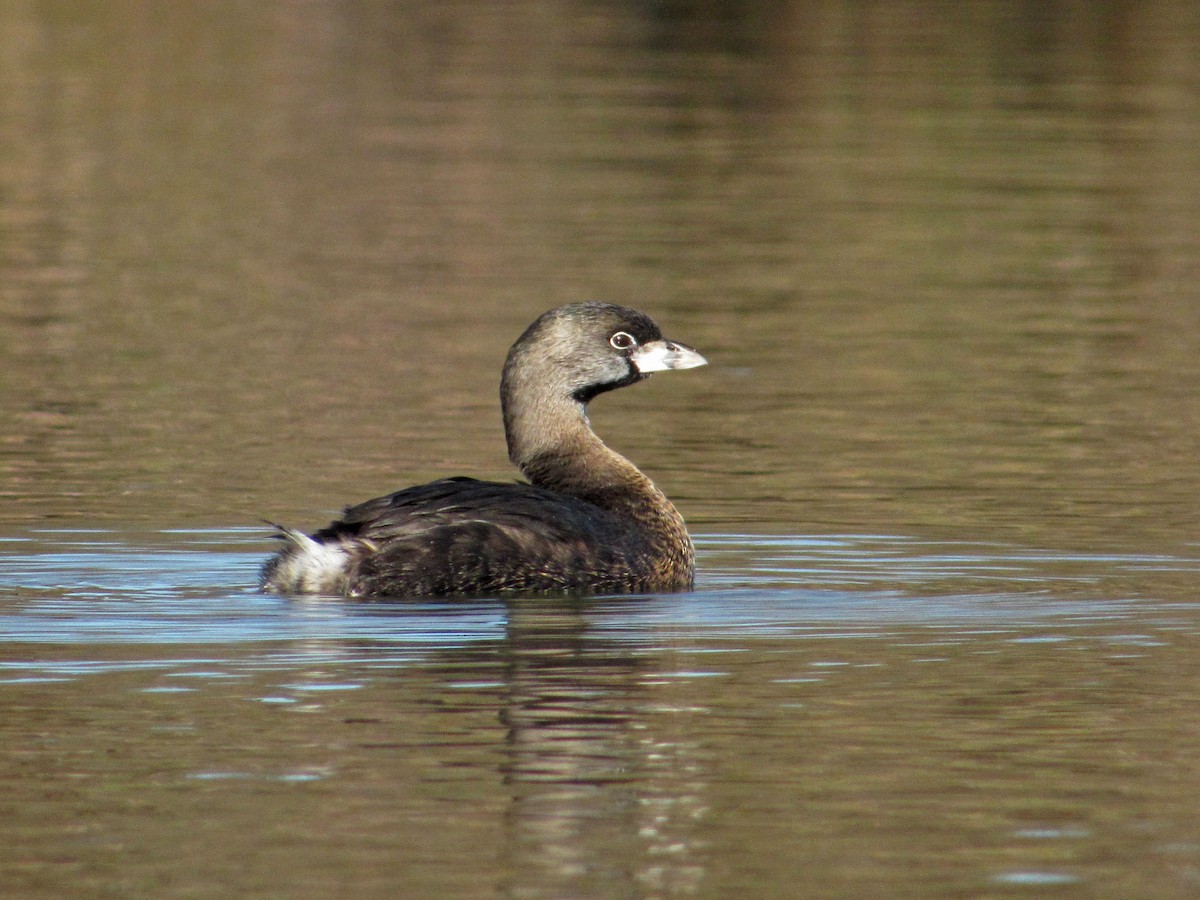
(659, 356)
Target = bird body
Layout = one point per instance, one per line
(588, 522)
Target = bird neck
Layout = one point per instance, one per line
(554, 446)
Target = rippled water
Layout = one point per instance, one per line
(853, 713)
(260, 261)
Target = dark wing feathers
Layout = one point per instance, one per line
(457, 501)
(463, 536)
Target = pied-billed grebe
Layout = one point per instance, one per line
(588, 521)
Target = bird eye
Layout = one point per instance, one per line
(622, 340)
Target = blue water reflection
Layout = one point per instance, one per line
(196, 588)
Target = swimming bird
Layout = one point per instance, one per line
(587, 522)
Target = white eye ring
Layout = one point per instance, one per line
(623, 340)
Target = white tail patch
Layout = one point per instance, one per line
(307, 566)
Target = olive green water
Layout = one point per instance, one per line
(258, 260)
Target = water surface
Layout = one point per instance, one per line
(261, 261)
(854, 714)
